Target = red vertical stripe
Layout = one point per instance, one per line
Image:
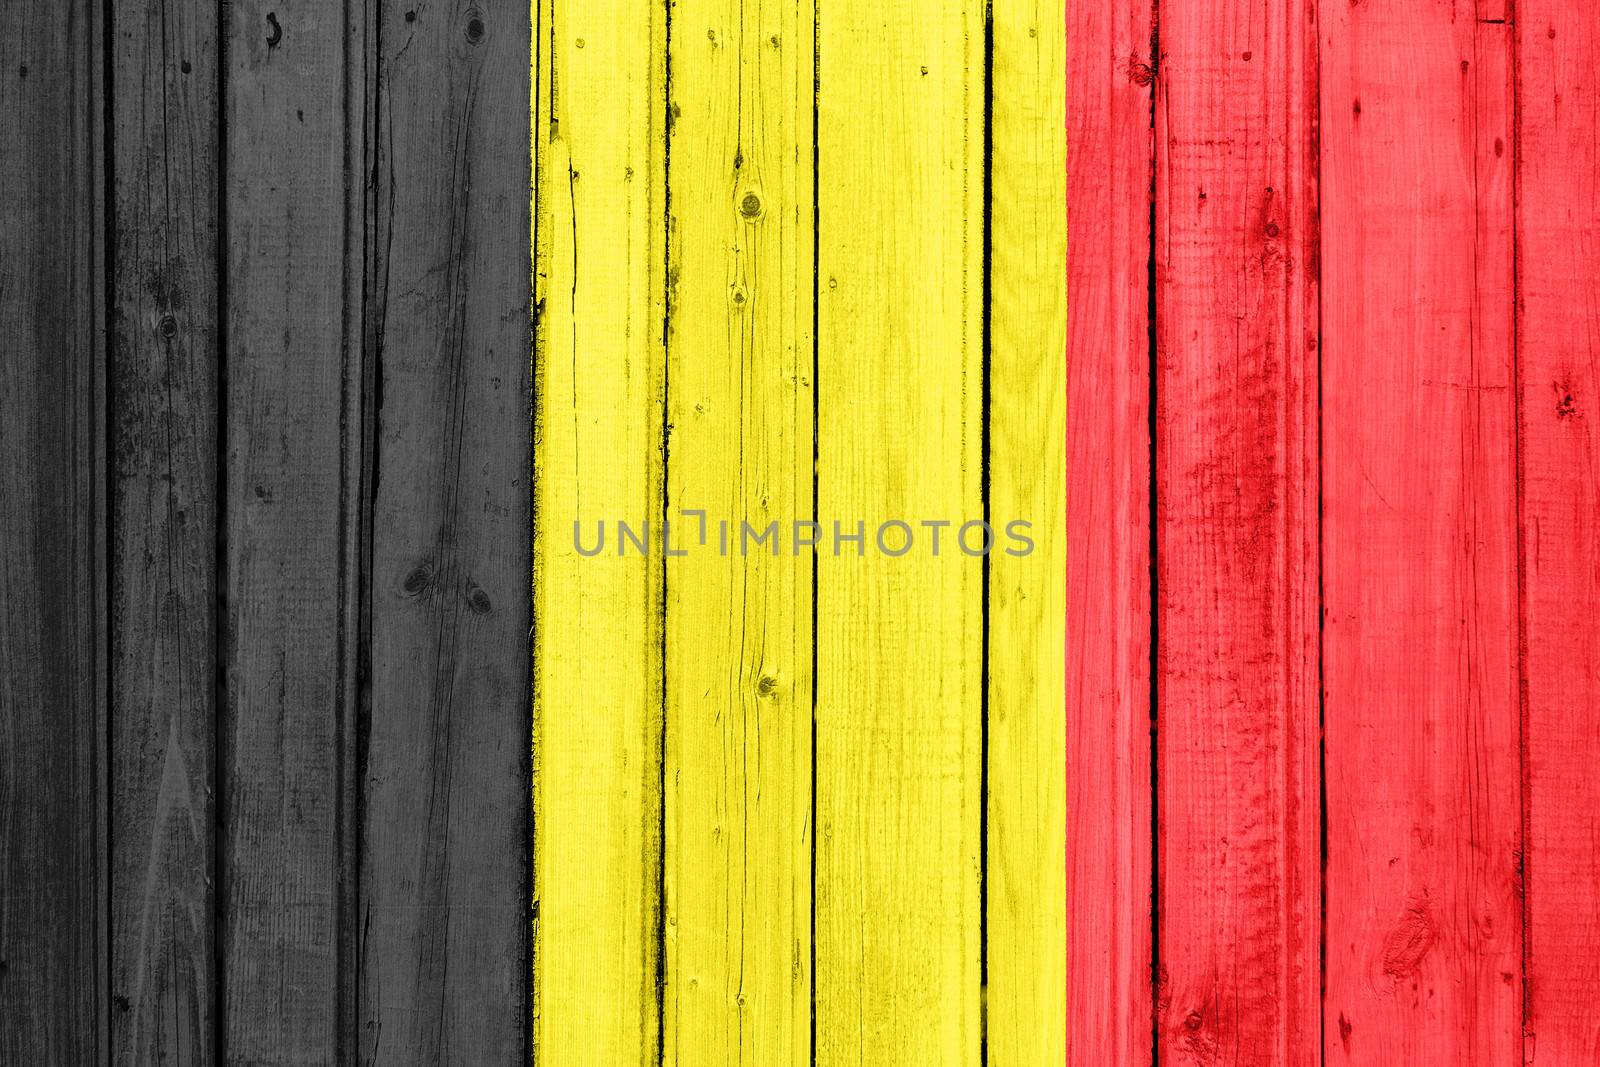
(1415, 185)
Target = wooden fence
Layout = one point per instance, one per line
(330, 332)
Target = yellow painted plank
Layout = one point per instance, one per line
(900, 131)
(599, 368)
(1026, 878)
(739, 640)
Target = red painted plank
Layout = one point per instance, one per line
(1108, 593)
(1424, 943)
(1558, 340)
(1236, 470)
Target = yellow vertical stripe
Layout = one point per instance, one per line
(900, 383)
(599, 365)
(739, 641)
(1026, 878)
(677, 256)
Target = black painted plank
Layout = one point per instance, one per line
(52, 929)
(164, 358)
(294, 127)
(444, 876)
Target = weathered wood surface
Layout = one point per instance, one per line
(739, 635)
(444, 893)
(311, 756)
(599, 379)
(165, 361)
(1420, 642)
(1110, 161)
(291, 491)
(901, 388)
(1236, 489)
(53, 938)
(206, 639)
(1026, 920)
(1558, 389)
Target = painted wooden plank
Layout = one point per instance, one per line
(899, 808)
(599, 373)
(1558, 386)
(1238, 804)
(292, 489)
(444, 892)
(1424, 953)
(53, 937)
(1025, 869)
(165, 354)
(1110, 156)
(739, 623)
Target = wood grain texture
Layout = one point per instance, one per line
(1424, 947)
(164, 337)
(1558, 386)
(52, 507)
(443, 880)
(739, 624)
(1110, 149)
(900, 131)
(292, 484)
(1236, 485)
(1026, 873)
(599, 373)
